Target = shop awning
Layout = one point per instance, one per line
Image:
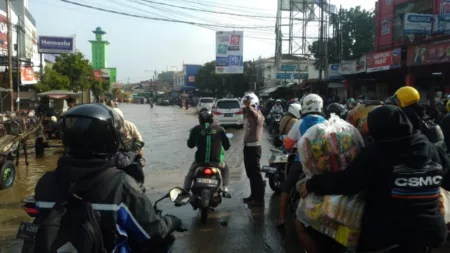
(336, 85)
(267, 92)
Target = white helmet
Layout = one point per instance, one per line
(294, 109)
(312, 103)
(254, 100)
(278, 101)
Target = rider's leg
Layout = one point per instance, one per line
(306, 241)
(225, 177)
(292, 178)
(189, 177)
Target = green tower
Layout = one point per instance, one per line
(99, 47)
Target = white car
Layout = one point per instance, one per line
(205, 102)
(228, 112)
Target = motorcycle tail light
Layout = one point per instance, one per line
(208, 171)
(30, 211)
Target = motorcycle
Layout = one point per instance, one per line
(278, 168)
(275, 122)
(206, 191)
(27, 231)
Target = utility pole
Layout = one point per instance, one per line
(10, 75)
(321, 40)
(19, 29)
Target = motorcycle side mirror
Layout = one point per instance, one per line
(137, 144)
(179, 196)
(229, 135)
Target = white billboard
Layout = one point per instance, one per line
(229, 52)
(417, 23)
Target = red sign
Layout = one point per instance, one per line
(384, 12)
(383, 60)
(432, 53)
(27, 76)
(235, 39)
(98, 74)
(3, 32)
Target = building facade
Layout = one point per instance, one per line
(99, 49)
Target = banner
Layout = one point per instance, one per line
(416, 23)
(229, 52)
(432, 53)
(3, 32)
(353, 66)
(56, 45)
(98, 74)
(27, 76)
(384, 60)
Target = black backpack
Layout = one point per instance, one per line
(431, 130)
(71, 227)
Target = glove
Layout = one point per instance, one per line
(175, 221)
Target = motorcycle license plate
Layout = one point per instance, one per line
(268, 169)
(207, 181)
(228, 115)
(27, 231)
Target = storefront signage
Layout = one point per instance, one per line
(416, 23)
(432, 53)
(383, 60)
(353, 66)
(56, 45)
(191, 79)
(3, 32)
(27, 76)
(333, 72)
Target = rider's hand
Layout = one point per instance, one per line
(303, 191)
(247, 101)
(140, 152)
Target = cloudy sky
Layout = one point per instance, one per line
(139, 46)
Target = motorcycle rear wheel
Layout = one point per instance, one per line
(275, 185)
(203, 215)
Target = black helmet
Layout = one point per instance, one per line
(205, 115)
(92, 130)
(335, 108)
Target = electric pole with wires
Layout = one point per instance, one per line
(10, 75)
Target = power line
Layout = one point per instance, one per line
(162, 19)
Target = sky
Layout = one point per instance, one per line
(140, 46)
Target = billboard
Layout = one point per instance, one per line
(3, 32)
(383, 60)
(27, 76)
(353, 66)
(431, 53)
(333, 72)
(98, 74)
(56, 45)
(229, 52)
(190, 71)
(416, 23)
(112, 75)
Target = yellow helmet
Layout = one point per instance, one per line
(447, 106)
(406, 96)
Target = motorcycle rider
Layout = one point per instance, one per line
(337, 109)
(312, 107)
(131, 131)
(446, 127)
(408, 99)
(92, 134)
(277, 108)
(288, 120)
(397, 211)
(211, 141)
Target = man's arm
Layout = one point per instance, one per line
(137, 216)
(292, 137)
(350, 181)
(133, 130)
(192, 141)
(225, 141)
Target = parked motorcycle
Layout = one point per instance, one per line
(27, 231)
(278, 168)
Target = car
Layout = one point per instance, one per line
(228, 112)
(205, 102)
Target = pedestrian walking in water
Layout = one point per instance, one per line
(252, 150)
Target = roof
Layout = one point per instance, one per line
(57, 93)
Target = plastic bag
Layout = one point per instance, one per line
(444, 204)
(329, 146)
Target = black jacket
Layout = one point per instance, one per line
(400, 175)
(446, 130)
(415, 113)
(113, 193)
(210, 140)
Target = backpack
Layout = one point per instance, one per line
(72, 226)
(431, 130)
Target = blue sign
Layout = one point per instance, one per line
(56, 45)
(222, 61)
(283, 75)
(234, 60)
(288, 68)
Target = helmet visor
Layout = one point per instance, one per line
(84, 136)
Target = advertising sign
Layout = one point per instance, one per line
(56, 45)
(383, 60)
(191, 79)
(432, 53)
(288, 68)
(3, 32)
(229, 52)
(333, 72)
(283, 76)
(98, 74)
(442, 17)
(353, 66)
(27, 76)
(416, 23)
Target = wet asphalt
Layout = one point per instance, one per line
(232, 227)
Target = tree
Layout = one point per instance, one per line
(166, 76)
(53, 80)
(356, 35)
(116, 92)
(98, 87)
(76, 68)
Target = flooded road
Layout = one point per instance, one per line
(233, 227)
